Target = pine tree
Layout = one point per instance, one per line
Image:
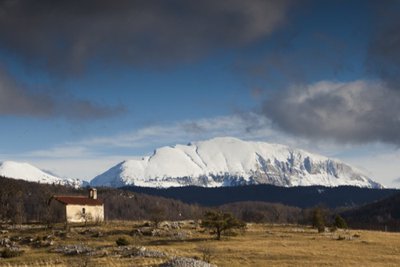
(219, 222)
(340, 222)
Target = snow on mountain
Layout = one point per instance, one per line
(227, 161)
(27, 172)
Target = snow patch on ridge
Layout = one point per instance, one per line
(27, 172)
(227, 161)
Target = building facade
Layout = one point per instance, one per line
(77, 209)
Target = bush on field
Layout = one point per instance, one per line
(122, 242)
(10, 253)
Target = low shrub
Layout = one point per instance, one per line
(340, 222)
(10, 253)
(321, 228)
(122, 242)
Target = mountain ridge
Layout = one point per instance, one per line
(30, 173)
(227, 161)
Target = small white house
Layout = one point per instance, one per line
(76, 209)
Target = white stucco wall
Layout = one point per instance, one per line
(94, 213)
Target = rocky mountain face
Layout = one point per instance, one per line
(229, 161)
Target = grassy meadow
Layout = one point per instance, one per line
(259, 245)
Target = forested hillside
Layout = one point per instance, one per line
(381, 215)
(300, 196)
(22, 201)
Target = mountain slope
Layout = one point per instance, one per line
(27, 172)
(228, 162)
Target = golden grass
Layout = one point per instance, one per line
(260, 245)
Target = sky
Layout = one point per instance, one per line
(87, 84)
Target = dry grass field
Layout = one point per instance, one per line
(259, 245)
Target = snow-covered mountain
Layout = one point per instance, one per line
(227, 161)
(27, 172)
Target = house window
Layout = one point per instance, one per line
(83, 210)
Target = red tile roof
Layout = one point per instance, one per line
(78, 200)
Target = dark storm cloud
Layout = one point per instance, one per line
(383, 57)
(355, 112)
(17, 99)
(287, 61)
(64, 36)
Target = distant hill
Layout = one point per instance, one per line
(301, 196)
(30, 173)
(380, 215)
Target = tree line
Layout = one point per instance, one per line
(22, 202)
(25, 202)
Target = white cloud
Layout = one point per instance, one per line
(61, 152)
(246, 126)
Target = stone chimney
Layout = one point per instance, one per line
(93, 193)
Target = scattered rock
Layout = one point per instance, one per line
(48, 237)
(144, 252)
(48, 243)
(73, 249)
(146, 231)
(7, 243)
(165, 224)
(38, 242)
(186, 262)
(136, 232)
(176, 225)
(129, 251)
(170, 225)
(158, 232)
(182, 235)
